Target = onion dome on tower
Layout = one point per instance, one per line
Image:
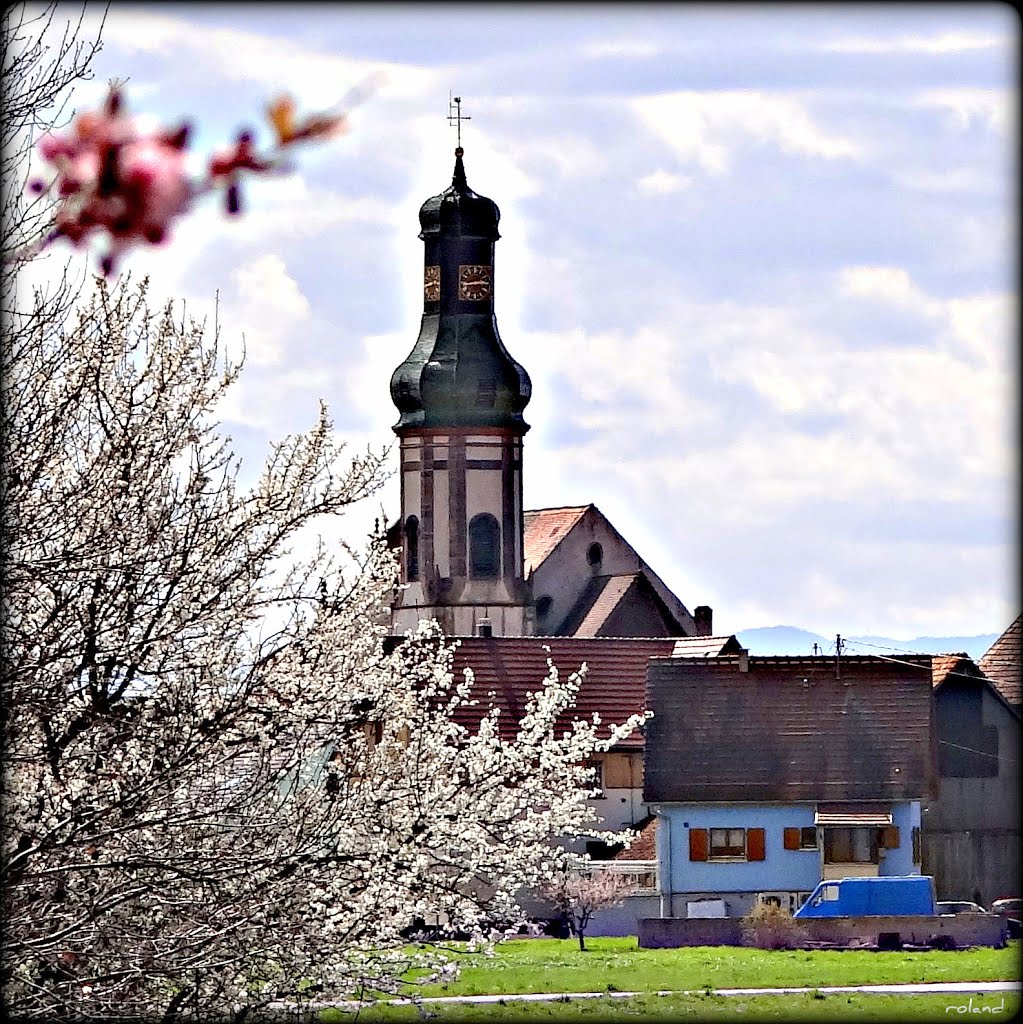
(461, 396)
(459, 374)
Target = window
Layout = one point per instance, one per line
(411, 549)
(727, 843)
(851, 845)
(594, 554)
(597, 777)
(486, 394)
(800, 838)
(543, 606)
(484, 547)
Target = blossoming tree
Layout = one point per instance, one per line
(218, 784)
(220, 789)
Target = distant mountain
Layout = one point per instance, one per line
(793, 640)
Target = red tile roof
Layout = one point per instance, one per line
(942, 665)
(1001, 664)
(512, 667)
(705, 646)
(789, 728)
(610, 591)
(600, 597)
(644, 845)
(544, 529)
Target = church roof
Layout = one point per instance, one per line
(545, 529)
(1001, 663)
(459, 373)
(601, 596)
(614, 685)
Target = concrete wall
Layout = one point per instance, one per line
(446, 480)
(964, 930)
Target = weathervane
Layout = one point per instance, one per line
(455, 115)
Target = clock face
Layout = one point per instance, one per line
(431, 284)
(473, 282)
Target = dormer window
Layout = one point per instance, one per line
(484, 547)
(411, 549)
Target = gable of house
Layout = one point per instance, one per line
(588, 580)
(1002, 664)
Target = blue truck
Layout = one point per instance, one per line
(886, 895)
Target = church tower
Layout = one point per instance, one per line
(460, 396)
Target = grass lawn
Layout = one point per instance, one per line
(557, 965)
(810, 1007)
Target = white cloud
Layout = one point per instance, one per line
(270, 302)
(963, 181)
(883, 283)
(705, 128)
(965, 104)
(264, 284)
(632, 48)
(663, 183)
(724, 437)
(942, 42)
(272, 61)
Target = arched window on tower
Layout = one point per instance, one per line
(411, 549)
(484, 547)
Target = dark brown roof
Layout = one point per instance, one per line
(789, 728)
(614, 684)
(1001, 664)
(544, 529)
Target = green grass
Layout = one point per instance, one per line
(810, 1007)
(555, 965)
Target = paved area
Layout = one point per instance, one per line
(925, 988)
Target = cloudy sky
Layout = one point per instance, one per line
(758, 261)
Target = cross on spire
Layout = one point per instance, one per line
(455, 115)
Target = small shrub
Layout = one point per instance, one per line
(768, 926)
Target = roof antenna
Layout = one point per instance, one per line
(455, 115)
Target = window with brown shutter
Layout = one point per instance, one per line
(697, 844)
(890, 837)
(755, 844)
(727, 844)
(791, 838)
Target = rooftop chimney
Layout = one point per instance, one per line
(703, 617)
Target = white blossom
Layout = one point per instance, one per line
(219, 790)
